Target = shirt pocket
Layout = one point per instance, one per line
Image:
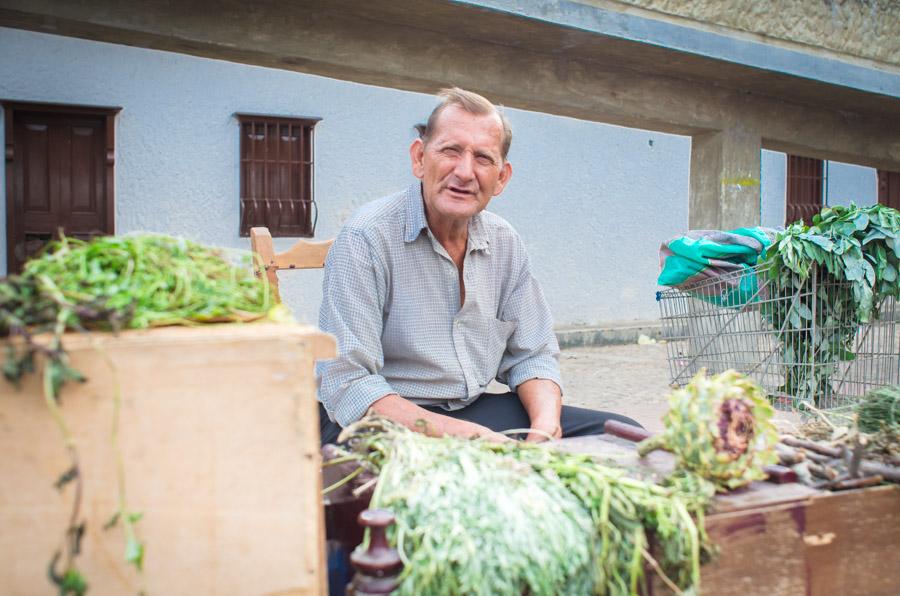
(486, 344)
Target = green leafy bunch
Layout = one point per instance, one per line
(720, 429)
(132, 281)
(879, 410)
(474, 517)
(859, 245)
(855, 252)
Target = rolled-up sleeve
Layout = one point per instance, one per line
(532, 351)
(352, 310)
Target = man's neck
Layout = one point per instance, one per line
(453, 236)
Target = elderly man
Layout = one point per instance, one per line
(431, 298)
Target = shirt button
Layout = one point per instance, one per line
(459, 323)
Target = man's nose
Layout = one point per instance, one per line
(465, 166)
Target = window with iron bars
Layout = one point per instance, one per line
(889, 188)
(277, 175)
(804, 193)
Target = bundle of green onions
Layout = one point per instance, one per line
(134, 282)
(475, 517)
(720, 429)
(124, 282)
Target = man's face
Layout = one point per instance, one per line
(461, 167)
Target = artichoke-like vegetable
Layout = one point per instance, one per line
(719, 428)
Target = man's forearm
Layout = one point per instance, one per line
(542, 399)
(403, 411)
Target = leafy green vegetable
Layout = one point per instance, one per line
(852, 254)
(880, 410)
(475, 517)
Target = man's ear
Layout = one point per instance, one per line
(416, 155)
(505, 175)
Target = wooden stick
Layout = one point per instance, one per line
(788, 456)
(853, 457)
(855, 483)
(629, 432)
(822, 471)
(811, 446)
(887, 472)
(821, 459)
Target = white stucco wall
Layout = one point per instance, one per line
(849, 183)
(773, 171)
(592, 201)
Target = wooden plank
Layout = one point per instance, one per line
(829, 543)
(760, 551)
(219, 434)
(759, 494)
(852, 542)
(304, 254)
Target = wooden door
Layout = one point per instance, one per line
(59, 176)
(889, 188)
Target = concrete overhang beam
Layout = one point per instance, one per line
(559, 60)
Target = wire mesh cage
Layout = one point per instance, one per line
(800, 343)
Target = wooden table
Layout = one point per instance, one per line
(786, 538)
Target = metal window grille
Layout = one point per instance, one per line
(803, 195)
(277, 175)
(790, 341)
(889, 188)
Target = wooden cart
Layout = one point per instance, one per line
(219, 437)
(788, 539)
(772, 539)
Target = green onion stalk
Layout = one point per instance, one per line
(476, 517)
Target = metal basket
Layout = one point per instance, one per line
(742, 321)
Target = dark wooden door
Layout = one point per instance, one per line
(889, 188)
(59, 177)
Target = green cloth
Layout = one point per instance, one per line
(711, 255)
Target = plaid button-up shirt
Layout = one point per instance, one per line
(391, 298)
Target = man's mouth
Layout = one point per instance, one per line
(460, 191)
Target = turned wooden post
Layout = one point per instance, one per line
(378, 567)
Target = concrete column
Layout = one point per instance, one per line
(724, 180)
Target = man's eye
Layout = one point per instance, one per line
(450, 151)
(485, 160)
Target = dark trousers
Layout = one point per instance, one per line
(504, 411)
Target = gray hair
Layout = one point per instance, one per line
(472, 103)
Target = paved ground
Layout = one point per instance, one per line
(627, 379)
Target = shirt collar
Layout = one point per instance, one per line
(416, 222)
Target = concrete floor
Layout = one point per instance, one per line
(627, 379)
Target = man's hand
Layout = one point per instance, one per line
(544, 431)
(403, 411)
(542, 400)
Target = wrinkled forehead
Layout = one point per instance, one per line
(455, 119)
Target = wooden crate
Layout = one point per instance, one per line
(792, 540)
(785, 539)
(220, 441)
